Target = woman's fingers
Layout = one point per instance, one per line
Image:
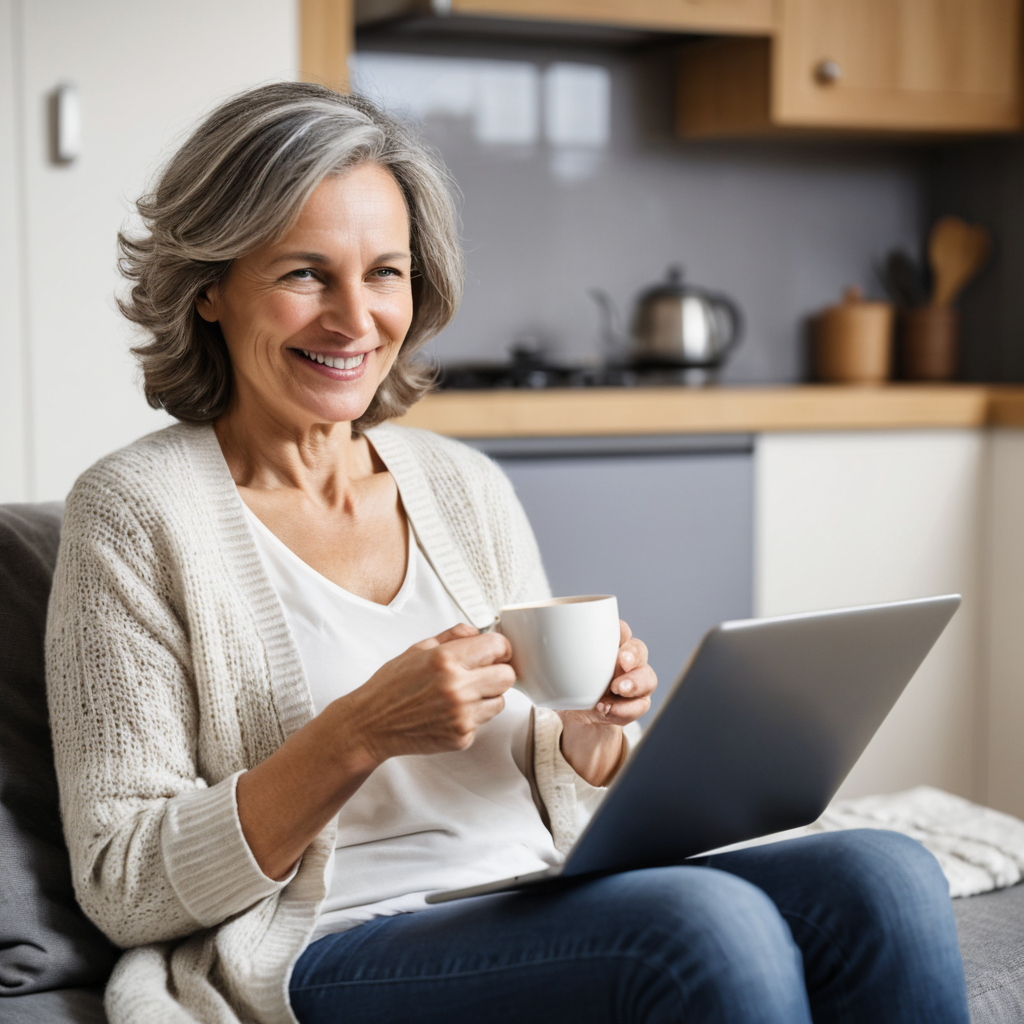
(628, 697)
(641, 682)
(621, 712)
(487, 709)
(491, 681)
(456, 632)
(464, 646)
(632, 654)
(475, 651)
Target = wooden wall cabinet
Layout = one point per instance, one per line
(325, 41)
(940, 66)
(727, 16)
(779, 66)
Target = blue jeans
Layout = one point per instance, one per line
(850, 926)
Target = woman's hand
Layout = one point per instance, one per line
(592, 741)
(428, 700)
(432, 698)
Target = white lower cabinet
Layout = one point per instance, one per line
(851, 518)
(837, 519)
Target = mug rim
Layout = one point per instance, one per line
(555, 602)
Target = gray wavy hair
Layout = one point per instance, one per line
(239, 181)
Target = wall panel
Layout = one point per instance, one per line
(14, 483)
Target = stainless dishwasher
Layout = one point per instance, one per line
(664, 522)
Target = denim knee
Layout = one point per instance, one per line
(721, 938)
(890, 874)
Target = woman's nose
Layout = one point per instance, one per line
(347, 311)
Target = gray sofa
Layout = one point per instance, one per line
(54, 962)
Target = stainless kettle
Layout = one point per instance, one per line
(677, 325)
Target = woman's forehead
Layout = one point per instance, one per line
(364, 205)
(367, 191)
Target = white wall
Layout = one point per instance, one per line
(855, 518)
(145, 72)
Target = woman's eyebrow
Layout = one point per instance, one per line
(301, 257)
(321, 260)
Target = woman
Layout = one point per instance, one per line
(277, 725)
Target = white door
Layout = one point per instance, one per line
(144, 72)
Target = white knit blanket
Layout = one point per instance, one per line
(979, 849)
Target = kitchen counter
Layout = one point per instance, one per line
(678, 410)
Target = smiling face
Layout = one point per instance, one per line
(313, 322)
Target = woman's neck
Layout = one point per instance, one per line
(318, 459)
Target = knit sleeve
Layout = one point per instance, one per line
(156, 852)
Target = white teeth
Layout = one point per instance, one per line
(341, 363)
(335, 362)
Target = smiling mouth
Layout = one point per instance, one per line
(334, 362)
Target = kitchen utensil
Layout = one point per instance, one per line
(563, 650)
(927, 343)
(853, 341)
(956, 252)
(904, 279)
(675, 325)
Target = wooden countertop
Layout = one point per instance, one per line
(678, 410)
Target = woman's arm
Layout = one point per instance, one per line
(123, 716)
(428, 700)
(157, 850)
(592, 741)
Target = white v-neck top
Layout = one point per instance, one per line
(419, 823)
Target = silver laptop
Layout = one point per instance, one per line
(755, 737)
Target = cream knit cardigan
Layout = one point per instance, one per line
(171, 670)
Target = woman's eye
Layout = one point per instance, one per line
(304, 274)
(387, 272)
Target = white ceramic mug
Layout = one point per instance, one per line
(563, 650)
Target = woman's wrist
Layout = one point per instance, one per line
(350, 740)
(284, 801)
(593, 750)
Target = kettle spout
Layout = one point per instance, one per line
(612, 339)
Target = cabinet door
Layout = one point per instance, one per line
(913, 64)
(668, 530)
(851, 518)
(730, 16)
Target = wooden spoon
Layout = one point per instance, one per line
(956, 252)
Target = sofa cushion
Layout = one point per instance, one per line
(991, 930)
(46, 942)
(65, 1006)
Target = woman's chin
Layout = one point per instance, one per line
(337, 409)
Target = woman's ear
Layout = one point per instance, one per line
(207, 304)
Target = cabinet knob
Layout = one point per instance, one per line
(827, 72)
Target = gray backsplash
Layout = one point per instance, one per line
(984, 181)
(782, 227)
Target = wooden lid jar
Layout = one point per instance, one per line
(852, 341)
